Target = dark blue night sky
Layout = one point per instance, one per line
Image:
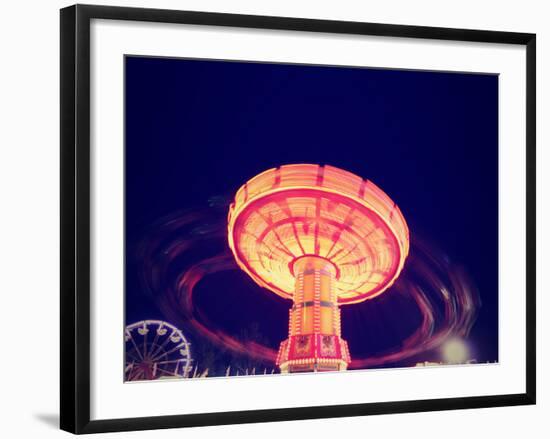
(196, 130)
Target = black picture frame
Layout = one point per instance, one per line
(75, 217)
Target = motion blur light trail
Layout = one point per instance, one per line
(185, 248)
(444, 294)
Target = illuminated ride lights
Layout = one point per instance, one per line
(156, 350)
(320, 236)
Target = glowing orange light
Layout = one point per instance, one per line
(294, 221)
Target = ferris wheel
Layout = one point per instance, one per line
(156, 350)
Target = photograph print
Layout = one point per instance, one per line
(297, 218)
